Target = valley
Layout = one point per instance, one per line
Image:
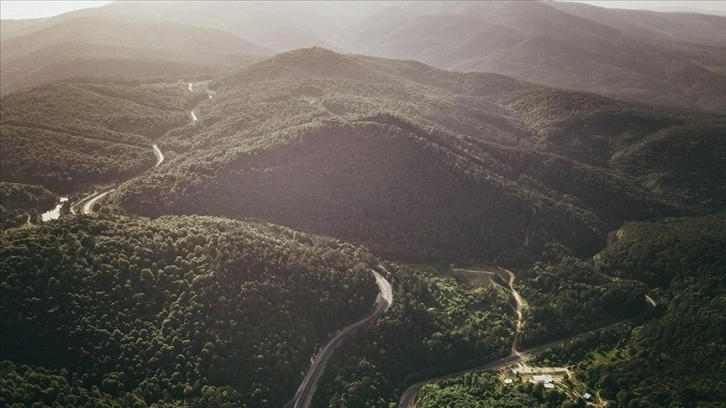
(369, 204)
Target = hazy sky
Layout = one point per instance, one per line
(13, 9)
(710, 7)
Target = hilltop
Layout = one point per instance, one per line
(427, 164)
(675, 59)
(107, 47)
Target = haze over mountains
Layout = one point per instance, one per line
(662, 58)
(312, 204)
(100, 46)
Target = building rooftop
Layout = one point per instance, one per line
(542, 378)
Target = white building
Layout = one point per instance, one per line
(546, 379)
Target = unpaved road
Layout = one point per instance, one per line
(408, 398)
(304, 395)
(520, 322)
(509, 276)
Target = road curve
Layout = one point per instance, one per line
(408, 398)
(88, 206)
(517, 298)
(520, 321)
(93, 199)
(159, 155)
(304, 395)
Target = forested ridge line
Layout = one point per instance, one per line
(135, 311)
(82, 132)
(513, 157)
(662, 360)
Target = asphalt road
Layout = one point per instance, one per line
(304, 395)
(88, 206)
(94, 198)
(159, 155)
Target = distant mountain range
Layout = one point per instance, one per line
(674, 59)
(99, 46)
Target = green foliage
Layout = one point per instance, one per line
(434, 325)
(487, 390)
(71, 134)
(667, 162)
(678, 358)
(176, 309)
(416, 163)
(571, 297)
(674, 359)
(18, 201)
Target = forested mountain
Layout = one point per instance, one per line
(333, 227)
(428, 164)
(674, 59)
(68, 135)
(106, 47)
(657, 58)
(133, 312)
(662, 362)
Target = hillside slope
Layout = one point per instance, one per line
(67, 135)
(662, 58)
(133, 312)
(676, 59)
(104, 47)
(458, 166)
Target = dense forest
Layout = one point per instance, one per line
(222, 296)
(68, 135)
(435, 324)
(20, 201)
(422, 164)
(131, 312)
(571, 297)
(673, 359)
(487, 390)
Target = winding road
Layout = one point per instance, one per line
(304, 395)
(88, 206)
(509, 276)
(159, 155)
(91, 200)
(408, 398)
